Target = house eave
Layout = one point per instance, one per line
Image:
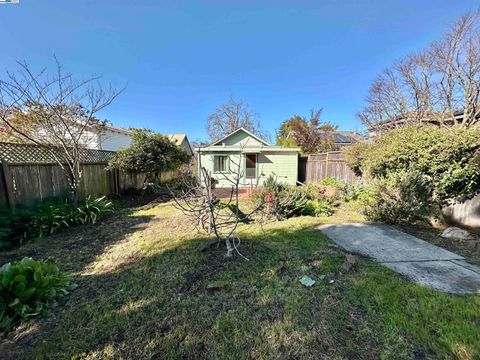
(245, 149)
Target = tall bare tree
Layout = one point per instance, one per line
(434, 84)
(231, 116)
(61, 109)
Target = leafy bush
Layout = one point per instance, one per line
(330, 181)
(449, 157)
(405, 196)
(356, 192)
(318, 207)
(29, 287)
(13, 226)
(149, 154)
(355, 156)
(281, 201)
(312, 191)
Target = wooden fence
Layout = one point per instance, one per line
(315, 167)
(30, 176)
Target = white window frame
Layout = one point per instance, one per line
(227, 164)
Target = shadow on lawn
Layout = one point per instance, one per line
(77, 246)
(160, 306)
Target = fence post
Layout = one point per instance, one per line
(8, 184)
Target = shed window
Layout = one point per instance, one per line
(220, 163)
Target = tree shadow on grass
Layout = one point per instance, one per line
(159, 306)
(77, 246)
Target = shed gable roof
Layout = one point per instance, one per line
(248, 133)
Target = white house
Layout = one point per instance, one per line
(113, 138)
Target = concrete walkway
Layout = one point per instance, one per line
(420, 261)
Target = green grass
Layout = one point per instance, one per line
(142, 279)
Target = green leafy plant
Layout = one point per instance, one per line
(318, 207)
(53, 216)
(92, 209)
(50, 217)
(29, 287)
(330, 181)
(149, 154)
(356, 192)
(312, 191)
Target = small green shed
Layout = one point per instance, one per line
(256, 158)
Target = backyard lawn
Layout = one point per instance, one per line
(144, 278)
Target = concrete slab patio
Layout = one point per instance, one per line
(420, 261)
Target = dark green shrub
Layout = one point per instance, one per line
(50, 217)
(13, 226)
(449, 156)
(29, 287)
(318, 207)
(149, 154)
(281, 201)
(355, 156)
(404, 196)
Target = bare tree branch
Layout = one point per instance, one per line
(55, 111)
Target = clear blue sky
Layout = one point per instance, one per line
(181, 59)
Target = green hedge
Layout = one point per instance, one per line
(448, 156)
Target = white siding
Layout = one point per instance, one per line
(113, 140)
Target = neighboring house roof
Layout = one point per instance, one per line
(118, 129)
(431, 118)
(217, 142)
(180, 139)
(343, 137)
(176, 138)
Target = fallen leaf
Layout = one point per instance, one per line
(217, 285)
(307, 281)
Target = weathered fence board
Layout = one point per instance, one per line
(34, 182)
(315, 167)
(3, 188)
(31, 176)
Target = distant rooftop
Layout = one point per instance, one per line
(176, 138)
